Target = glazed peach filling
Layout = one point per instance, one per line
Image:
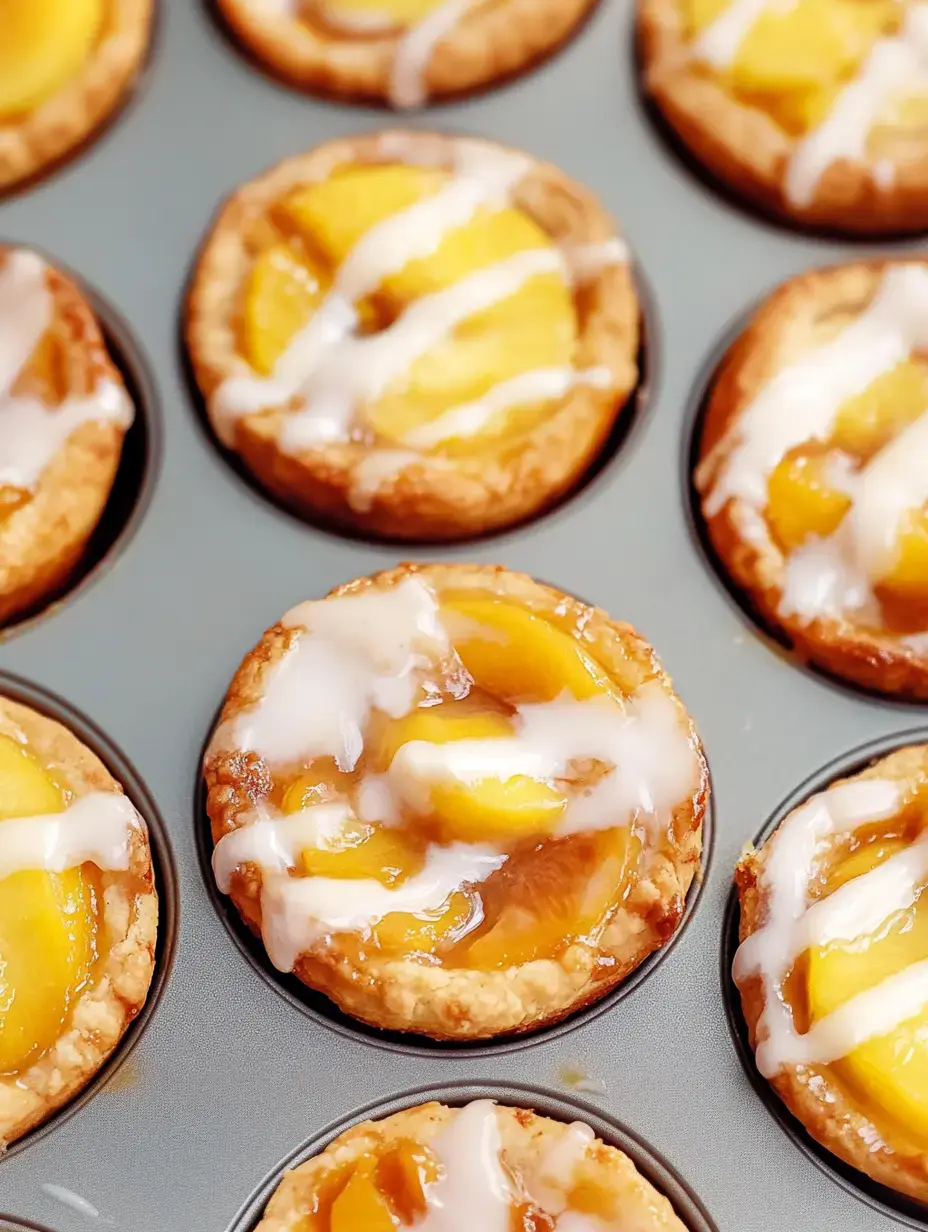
(551, 891)
(386, 1189)
(796, 58)
(886, 1077)
(304, 239)
(806, 497)
(48, 924)
(367, 17)
(43, 44)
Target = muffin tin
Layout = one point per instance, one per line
(226, 1081)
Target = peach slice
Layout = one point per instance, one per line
(43, 43)
(402, 1174)
(866, 423)
(360, 1205)
(366, 851)
(801, 501)
(404, 932)
(908, 577)
(283, 292)
(47, 925)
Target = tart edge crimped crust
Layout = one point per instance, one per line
(459, 1003)
(496, 40)
(776, 335)
(42, 542)
(74, 112)
(746, 148)
(431, 498)
(525, 1136)
(126, 932)
(810, 1092)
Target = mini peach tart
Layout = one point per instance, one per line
(833, 967)
(78, 917)
(814, 470)
(64, 411)
(486, 1166)
(454, 800)
(419, 336)
(402, 52)
(815, 110)
(65, 66)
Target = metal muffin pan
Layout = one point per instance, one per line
(228, 1078)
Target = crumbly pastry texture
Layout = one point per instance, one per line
(42, 542)
(812, 1093)
(34, 141)
(431, 498)
(458, 1003)
(126, 939)
(746, 148)
(805, 312)
(525, 1138)
(489, 41)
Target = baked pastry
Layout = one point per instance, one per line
(831, 969)
(421, 336)
(65, 66)
(814, 110)
(454, 800)
(78, 917)
(64, 411)
(814, 472)
(481, 1166)
(403, 52)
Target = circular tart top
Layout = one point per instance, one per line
(63, 412)
(442, 1169)
(833, 966)
(78, 916)
(63, 66)
(422, 334)
(814, 470)
(456, 800)
(823, 101)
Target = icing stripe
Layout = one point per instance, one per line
(718, 44)
(415, 50)
(94, 829)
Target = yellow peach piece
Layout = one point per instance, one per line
(47, 925)
(497, 810)
(43, 43)
(360, 1205)
(908, 577)
(520, 657)
(891, 1071)
(405, 932)
(366, 851)
(866, 423)
(801, 501)
(283, 292)
(440, 725)
(702, 13)
(402, 1175)
(359, 12)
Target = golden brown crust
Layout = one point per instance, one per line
(526, 1139)
(494, 40)
(748, 150)
(813, 1093)
(42, 542)
(126, 938)
(432, 498)
(804, 312)
(446, 1003)
(34, 141)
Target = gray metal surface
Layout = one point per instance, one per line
(229, 1078)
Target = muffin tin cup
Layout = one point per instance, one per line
(659, 1171)
(235, 1074)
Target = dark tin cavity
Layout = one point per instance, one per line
(321, 1010)
(773, 637)
(139, 464)
(625, 427)
(165, 871)
(9, 1224)
(659, 1171)
(886, 1201)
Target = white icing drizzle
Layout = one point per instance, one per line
(550, 1185)
(357, 653)
(718, 44)
(538, 385)
(587, 261)
(275, 843)
(376, 468)
(856, 909)
(416, 48)
(473, 1191)
(94, 829)
(895, 66)
(653, 759)
(31, 433)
